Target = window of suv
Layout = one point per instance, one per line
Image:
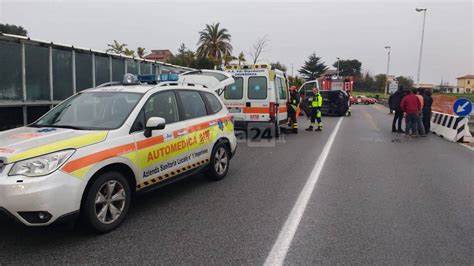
(257, 88)
(162, 104)
(193, 105)
(214, 104)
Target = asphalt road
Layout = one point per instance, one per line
(380, 199)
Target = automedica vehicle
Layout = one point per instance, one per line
(93, 151)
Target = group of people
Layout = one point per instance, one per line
(415, 106)
(315, 104)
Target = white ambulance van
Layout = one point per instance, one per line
(258, 94)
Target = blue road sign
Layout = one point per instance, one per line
(462, 107)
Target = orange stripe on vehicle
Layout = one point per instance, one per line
(97, 157)
(116, 151)
(256, 110)
(150, 142)
(283, 109)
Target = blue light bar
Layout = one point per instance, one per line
(169, 77)
(150, 79)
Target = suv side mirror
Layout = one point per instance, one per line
(154, 123)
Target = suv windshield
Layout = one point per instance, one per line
(91, 110)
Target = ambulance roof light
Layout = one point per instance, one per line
(130, 79)
(150, 79)
(169, 77)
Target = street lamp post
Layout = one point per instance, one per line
(388, 69)
(338, 67)
(421, 45)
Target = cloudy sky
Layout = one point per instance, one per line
(345, 29)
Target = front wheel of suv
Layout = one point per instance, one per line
(107, 202)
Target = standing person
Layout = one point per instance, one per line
(293, 106)
(419, 122)
(390, 104)
(398, 117)
(316, 104)
(411, 105)
(428, 102)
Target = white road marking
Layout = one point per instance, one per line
(281, 246)
(467, 146)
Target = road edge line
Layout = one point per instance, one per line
(281, 246)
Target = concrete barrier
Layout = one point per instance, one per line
(451, 127)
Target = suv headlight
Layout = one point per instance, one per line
(41, 165)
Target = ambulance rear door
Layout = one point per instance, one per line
(258, 95)
(234, 97)
(281, 92)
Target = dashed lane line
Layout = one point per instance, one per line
(281, 246)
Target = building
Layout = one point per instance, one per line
(467, 83)
(444, 88)
(159, 55)
(37, 75)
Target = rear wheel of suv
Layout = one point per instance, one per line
(219, 165)
(107, 202)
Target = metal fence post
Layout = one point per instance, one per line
(110, 69)
(93, 70)
(51, 85)
(74, 72)
(23, 82)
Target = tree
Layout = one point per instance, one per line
(258, 48)
(214, 42)
(228, 58)
(140, 52)
(379, 83)
(185, 57)
(406, 82)
(313, 68)
(241, 58)
(279, 65)
(13, 29)
(202, 63)
(295, 81)
(349, 67)
(365, 83)
(116, 47)
(129, 52)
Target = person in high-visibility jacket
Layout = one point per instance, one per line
(315, 106)
(293, 106)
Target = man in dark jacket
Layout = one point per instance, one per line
(428, 102)
(390, 104)
(395, 105)
(411, 105)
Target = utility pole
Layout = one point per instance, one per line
(388, 69)
(338, 67)
(421, 46)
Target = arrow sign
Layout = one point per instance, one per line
(462, 107)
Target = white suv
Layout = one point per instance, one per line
(90, 153)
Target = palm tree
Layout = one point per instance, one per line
(214, 42)
(241, 58)
(129, 52)
(116, 47)
(228, 58)
(140, 52)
